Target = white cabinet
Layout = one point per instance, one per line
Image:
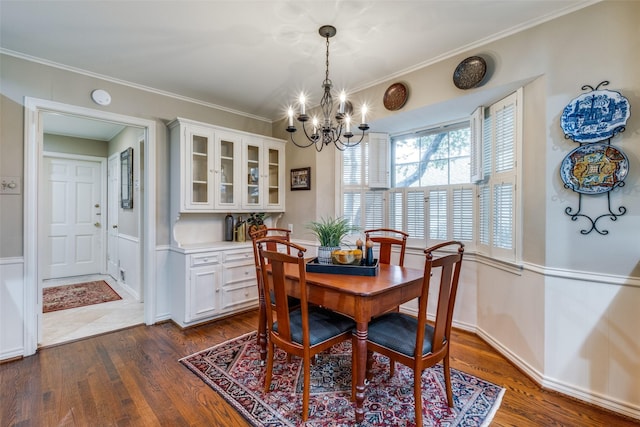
(263, 174)
(215, 169)
(211, 282)
(203, 289)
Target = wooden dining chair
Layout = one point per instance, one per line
(388, 239)
(303, 332)
(414, 342)
(279, 234)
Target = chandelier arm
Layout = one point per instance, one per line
(349, 143)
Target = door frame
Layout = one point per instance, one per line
(101, 161)
(33, 155)
(111, 221)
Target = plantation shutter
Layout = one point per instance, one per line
(438, 214)
(374, 207)
(462, 214)
(351, 207)
(378, 165)
(475, 125)
(396, 210)
(484, 215)
(415, 214)
(503, 195)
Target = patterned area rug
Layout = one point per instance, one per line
(71, 296)
(233, 369)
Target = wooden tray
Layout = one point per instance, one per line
(355, 270)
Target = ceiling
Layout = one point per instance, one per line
(254, 57)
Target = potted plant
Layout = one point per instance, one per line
(330, 232)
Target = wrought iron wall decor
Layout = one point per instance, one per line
(595, 167)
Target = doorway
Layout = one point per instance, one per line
(144, 248)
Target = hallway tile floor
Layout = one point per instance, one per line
(81, 322)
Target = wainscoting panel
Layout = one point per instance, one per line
(12, 303)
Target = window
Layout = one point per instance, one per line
(457, 181)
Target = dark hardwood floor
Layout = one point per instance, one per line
(133, 378)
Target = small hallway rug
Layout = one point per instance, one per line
(58, 298)
(234, 370)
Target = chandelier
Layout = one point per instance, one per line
(325, 130)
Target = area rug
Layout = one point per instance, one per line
(234, 370)
(71, 296)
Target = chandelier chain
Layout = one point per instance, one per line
(326, 78)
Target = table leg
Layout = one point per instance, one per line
(361, 367)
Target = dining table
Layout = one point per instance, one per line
(360, 297)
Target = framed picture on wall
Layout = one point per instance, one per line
(301, 179)
(126, 179)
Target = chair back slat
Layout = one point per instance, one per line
(275, 283)
(448, 267)
(387, 239)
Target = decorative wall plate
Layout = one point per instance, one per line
(594, 168)
(470, 72)
(595, 116)
(395, 96)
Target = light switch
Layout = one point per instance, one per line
(10, 185)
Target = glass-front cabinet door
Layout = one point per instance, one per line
(198, 169)
(274, 165)
(227, 171)
(252, 174)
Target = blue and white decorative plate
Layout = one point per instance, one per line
(595, 116)
(594, 168)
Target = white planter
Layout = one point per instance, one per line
(324, 254)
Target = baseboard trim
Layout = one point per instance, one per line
(552, 384)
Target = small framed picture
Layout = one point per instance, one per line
(301, 179)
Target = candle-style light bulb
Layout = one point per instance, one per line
(290, 113)
(302, 100)
(315, 125)
(343, 99)
(364, 113)
(347, 121)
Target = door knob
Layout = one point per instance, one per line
(97, 224)
(114, 226)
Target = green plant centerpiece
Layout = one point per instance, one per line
(330, 232)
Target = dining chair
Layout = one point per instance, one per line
(279, 234)
(413, 341)
(388, 239)
(305, 331)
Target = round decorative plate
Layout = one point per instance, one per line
(594, 168)
(595, 116)
(470, 72)
(395, 96)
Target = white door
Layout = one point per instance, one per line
(113, 186)
(72, 215)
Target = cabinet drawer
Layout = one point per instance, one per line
(241, 295)
(205, 259)
(239, 256)
(239, 273)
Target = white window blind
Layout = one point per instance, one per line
(415, 214)
(374, 208)
(477, 171)
(351, 203)
(497, 198)
(484, 215)
(462, 214)
(438, 214)
(396, 210)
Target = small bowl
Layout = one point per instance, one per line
(346, 256)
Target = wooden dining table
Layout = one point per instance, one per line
(359, 297)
